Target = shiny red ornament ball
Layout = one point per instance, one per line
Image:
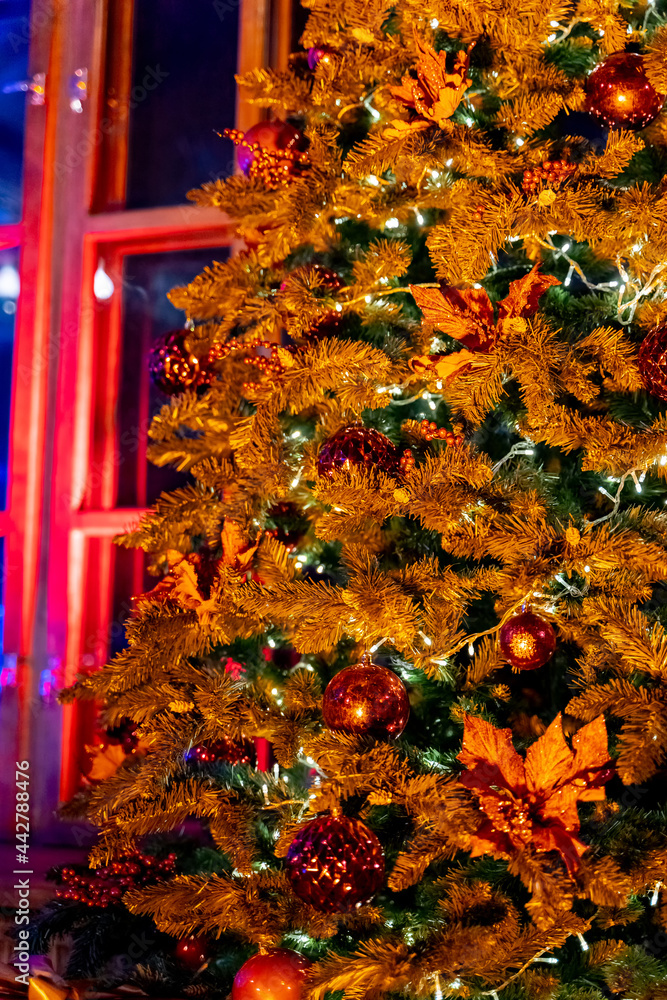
(653, 361)
(367, 699)
(619, 94)
(191, 952)
(277, 975)
(357, 447)
(274, 136)
(173, 368)
(335, 864)
(527, 640)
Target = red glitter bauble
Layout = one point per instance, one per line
(191, 952)
(173, 368)
(357, 447)
(276, 975)
(335, 864)
(653, 361)
(367, 699)
(527, 640)
(225, 749)
(274, 136)
(619, 94)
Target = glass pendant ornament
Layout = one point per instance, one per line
(527, 640)
(191, 952)
(368, 700)
(173, 368)
(357, 446)
(335, 864)
(652, 361)
(620, 95)
(278, 974)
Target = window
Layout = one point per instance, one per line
(110, 110)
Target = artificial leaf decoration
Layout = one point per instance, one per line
(105, 761)
(443, 366)
(435, 94)
(533, 801)
(236, 551)
(524, 294)
(467, 315)
(187, 590)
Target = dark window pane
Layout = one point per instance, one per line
(9, 290)
(147, 316)
(14, 44)
(130, 579)
(183, 92)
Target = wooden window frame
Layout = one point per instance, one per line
(73, 168)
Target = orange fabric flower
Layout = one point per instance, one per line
(533, 801)
(467, 315)
(435, 94)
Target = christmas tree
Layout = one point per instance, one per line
(398, 702)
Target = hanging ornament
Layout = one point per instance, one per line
(191, 952)
(318, 54)
(653, 361)
(367, 699)
(527, 640)
(356, 446)
(335, 864)
(224, 749)
(276, 975)
(273, 151)
(619, 93)
(173, 368)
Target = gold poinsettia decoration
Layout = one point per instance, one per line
(531, 802)
(467, 315)
(434, 94)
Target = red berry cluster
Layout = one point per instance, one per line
(550, 173)
(407, 460)
(478, 214)
(275, 167)
(268, 364)
(431, 432)
(106, 885)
